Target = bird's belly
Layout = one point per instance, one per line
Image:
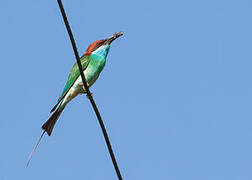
(91, 75)
(72, 93)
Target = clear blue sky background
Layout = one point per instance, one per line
(175, 95)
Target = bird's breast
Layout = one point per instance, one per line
(94, 69)
(91, 73)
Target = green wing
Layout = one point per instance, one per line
(74, 74)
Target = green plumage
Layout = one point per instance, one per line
(92, 62)
(92, 66)
(74, 74)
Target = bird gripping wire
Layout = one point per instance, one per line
(88, 91)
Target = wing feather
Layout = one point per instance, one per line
(74, 74)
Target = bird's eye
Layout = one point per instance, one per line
(99, 44)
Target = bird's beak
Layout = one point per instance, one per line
(114, 37)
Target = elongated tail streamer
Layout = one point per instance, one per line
(34, 149)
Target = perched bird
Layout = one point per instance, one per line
(93, 62)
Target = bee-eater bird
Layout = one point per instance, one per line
(93, 62)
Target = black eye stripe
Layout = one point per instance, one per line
(99, 44)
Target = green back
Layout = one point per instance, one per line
(74, 74)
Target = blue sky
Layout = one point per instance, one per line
(175, 95)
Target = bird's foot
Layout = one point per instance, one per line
(91, 95)
(84, 91)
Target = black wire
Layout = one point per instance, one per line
(88, 91)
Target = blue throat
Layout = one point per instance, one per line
(102, 51)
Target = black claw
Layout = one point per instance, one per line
(88, 95)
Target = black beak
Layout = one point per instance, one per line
(114, 37)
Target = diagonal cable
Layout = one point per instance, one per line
(105, 134)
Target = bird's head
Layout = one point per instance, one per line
(101, 47)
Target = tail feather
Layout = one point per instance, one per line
(54, 107)
(49, 124)
(34, 149)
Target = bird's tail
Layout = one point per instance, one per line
(49, 124)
